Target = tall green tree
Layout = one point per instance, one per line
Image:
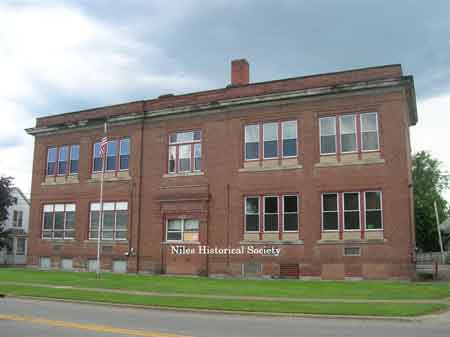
(6, 200)
(430, 181)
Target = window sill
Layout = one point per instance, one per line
(183, 174)
(270, 168)
(110, 176)
(354, 241)
(60, 180)
(180, 243)
(367, 158)
(108, 242)
(273, 242)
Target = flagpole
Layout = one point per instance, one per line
(100, 224)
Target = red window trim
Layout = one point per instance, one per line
(177, 152)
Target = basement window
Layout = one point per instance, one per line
(352, 251)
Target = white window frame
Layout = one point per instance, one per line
(258, 212)
(296, 138)
(381, 210)
(361, 131)
(337, 211)
(53, 223)
(264, 213)
(344, 210)
(335, 135)
(182, 230)
(101, 217)
(283, 213)
(259, 142)
(121, 155)
(355, 133)
(69, 169)
(277, 140)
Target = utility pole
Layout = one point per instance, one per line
(439, 233)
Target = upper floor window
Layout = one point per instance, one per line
(182, 230)
(278, 212)
(17, 218)
(115, 221)
(369, 131)
(63, 160)
(58, 221)
(117, 156)
(279, 140)
(185, 152)
(349, 134)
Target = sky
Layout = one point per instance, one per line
(60, 56)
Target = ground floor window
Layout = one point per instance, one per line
(58, 221)
(272, 213)
(182, 230)
(115, 221)
(20, 246)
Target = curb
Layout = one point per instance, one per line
(229, 312)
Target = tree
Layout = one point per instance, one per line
(6, 200)
(430, 181)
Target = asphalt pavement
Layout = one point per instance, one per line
(36, 318)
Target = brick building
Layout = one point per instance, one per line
(316, 166)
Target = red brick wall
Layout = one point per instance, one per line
(216, 197)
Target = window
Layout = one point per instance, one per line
(330, 212)
(119, 266)
(276, 211)
(270, 135)
(124, 154)
(351, 211)
(352, 251)
(117, 156)
(74, 159)
(58, 221)
(290, 213)
(115, 221)
(289, 130)
(182, 230)
(45, 262)
(63, 160)
(251, 142)
(51, 161)
(327, 126)
(185, 152)
(373, 216)
(66, 264)
(17, 218)
(273, 140)
(20, 248)
(369, 131)
(348, 133)
(270, 214)
(252, 214)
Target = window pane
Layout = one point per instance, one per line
(51, 161)
(197, 157)
(20, 248)
(70, 220)
(370, 141)
(270, 222)
(125, 146)
(172, 158)
(351, 201)
(190, 225)
(185, 158)
(51, 167)
(111, 156)
(62, 161)
(96, 152)
(291, 222)
(95, 216)
(373, 200)
(348, 124)
(369, 122)
(107, 234)
(252, 133)
(97, 164)
(75, 152)
(121, 220)
(251, 223)
(251, 151)
(111, 148)
(108, 220)
(185, 137)
(351, 220)
(174, 225)
(327, 144)
(74, 166)
(327, 126)
(289, 147)
(121, 235)
(173, 138)
(290, 203)
(373, 220)
(252, 205)
(59, 220)
(110, 163)
(124, 162)
(330, 221)
(289, 130)
(348, 143)
(197, 135)
(270, 133)
(271, 205)
(48, 221)
(175, 236)
(330, 202)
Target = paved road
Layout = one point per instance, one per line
(23, 317)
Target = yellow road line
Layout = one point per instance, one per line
(90, 327)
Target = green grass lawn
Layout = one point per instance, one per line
(360, 309)
(236, 287)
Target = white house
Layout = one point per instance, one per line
(17, 222)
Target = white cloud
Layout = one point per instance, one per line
(432, 131)
(49, 52)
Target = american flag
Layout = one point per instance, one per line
(103, 145)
